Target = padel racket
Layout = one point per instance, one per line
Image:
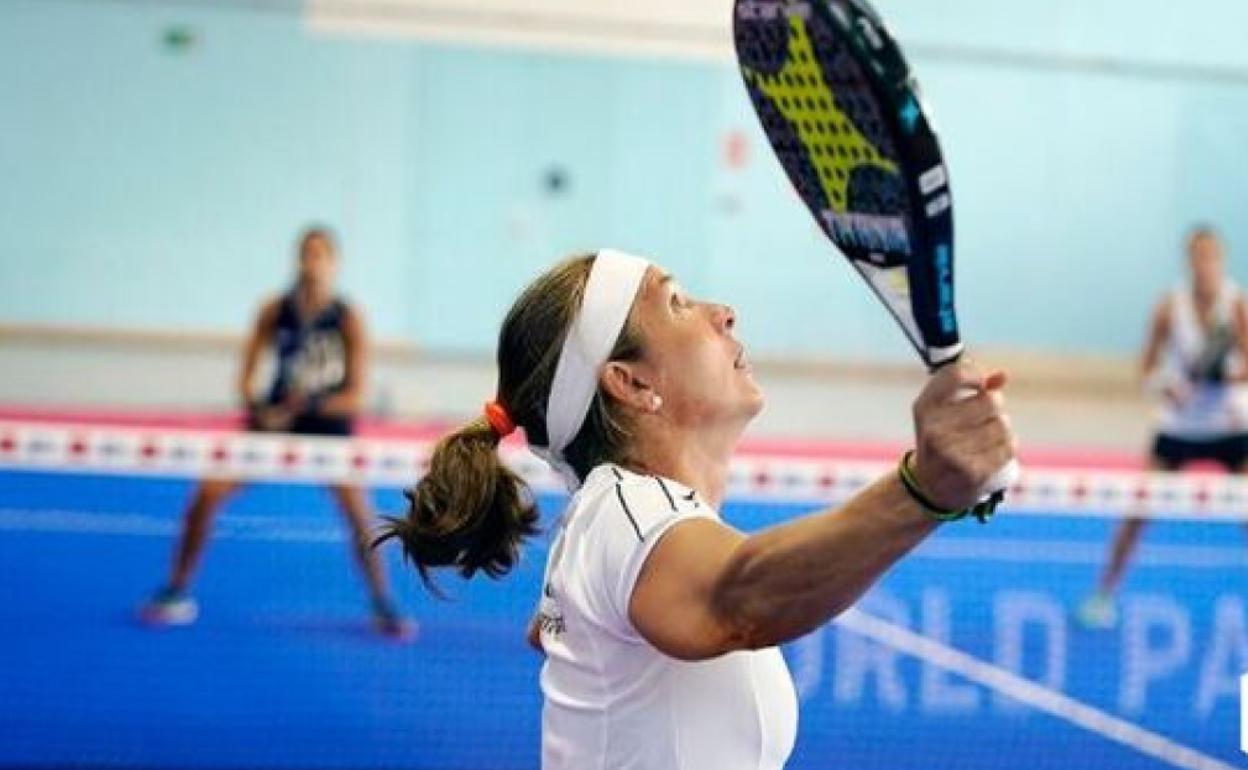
(844, 114)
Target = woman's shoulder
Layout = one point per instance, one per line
(614, 497)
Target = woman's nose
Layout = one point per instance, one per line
(724, 317)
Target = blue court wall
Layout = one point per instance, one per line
(147, 187)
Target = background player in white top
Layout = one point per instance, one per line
(659, 621)
(1194, 360)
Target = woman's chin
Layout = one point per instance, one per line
(755, 403)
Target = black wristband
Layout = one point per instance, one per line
(981, 511)
(911, 485)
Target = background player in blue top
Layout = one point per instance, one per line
(321, 353)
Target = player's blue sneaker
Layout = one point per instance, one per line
(169, 607)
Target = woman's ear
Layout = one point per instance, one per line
(624, 382)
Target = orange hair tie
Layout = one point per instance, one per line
(498, 419)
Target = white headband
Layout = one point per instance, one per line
(614, 281)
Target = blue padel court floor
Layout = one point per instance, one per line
(283, 670)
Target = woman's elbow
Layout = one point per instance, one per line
(744, 614)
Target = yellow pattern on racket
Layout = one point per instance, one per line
(833, 143)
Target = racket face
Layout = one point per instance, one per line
(843, 114)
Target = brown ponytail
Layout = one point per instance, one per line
(470, 511)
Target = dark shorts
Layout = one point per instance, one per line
(1172, 453)
(314, 425)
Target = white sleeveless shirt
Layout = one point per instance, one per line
(613, 701)
(1211, 410)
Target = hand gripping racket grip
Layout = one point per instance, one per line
(1001, 481)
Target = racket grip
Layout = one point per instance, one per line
(1001, 481)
